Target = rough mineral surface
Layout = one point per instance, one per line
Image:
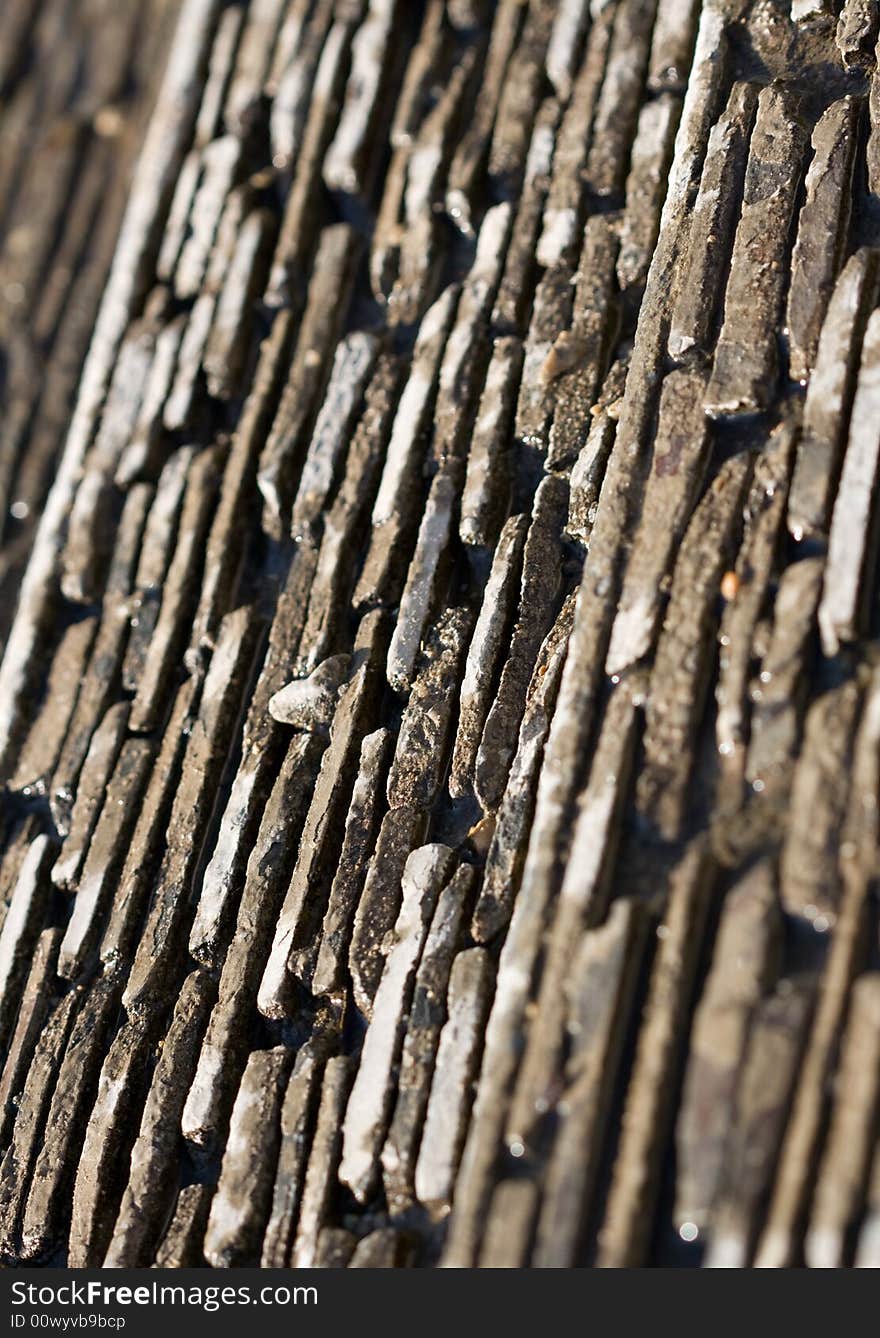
(440, 699)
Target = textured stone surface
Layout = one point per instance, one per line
(439, 714)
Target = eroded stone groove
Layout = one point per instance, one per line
(440, 716)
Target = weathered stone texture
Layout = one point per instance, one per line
(439, 708)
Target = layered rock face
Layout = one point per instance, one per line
(440, 708)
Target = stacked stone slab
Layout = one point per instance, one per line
(440, 709)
